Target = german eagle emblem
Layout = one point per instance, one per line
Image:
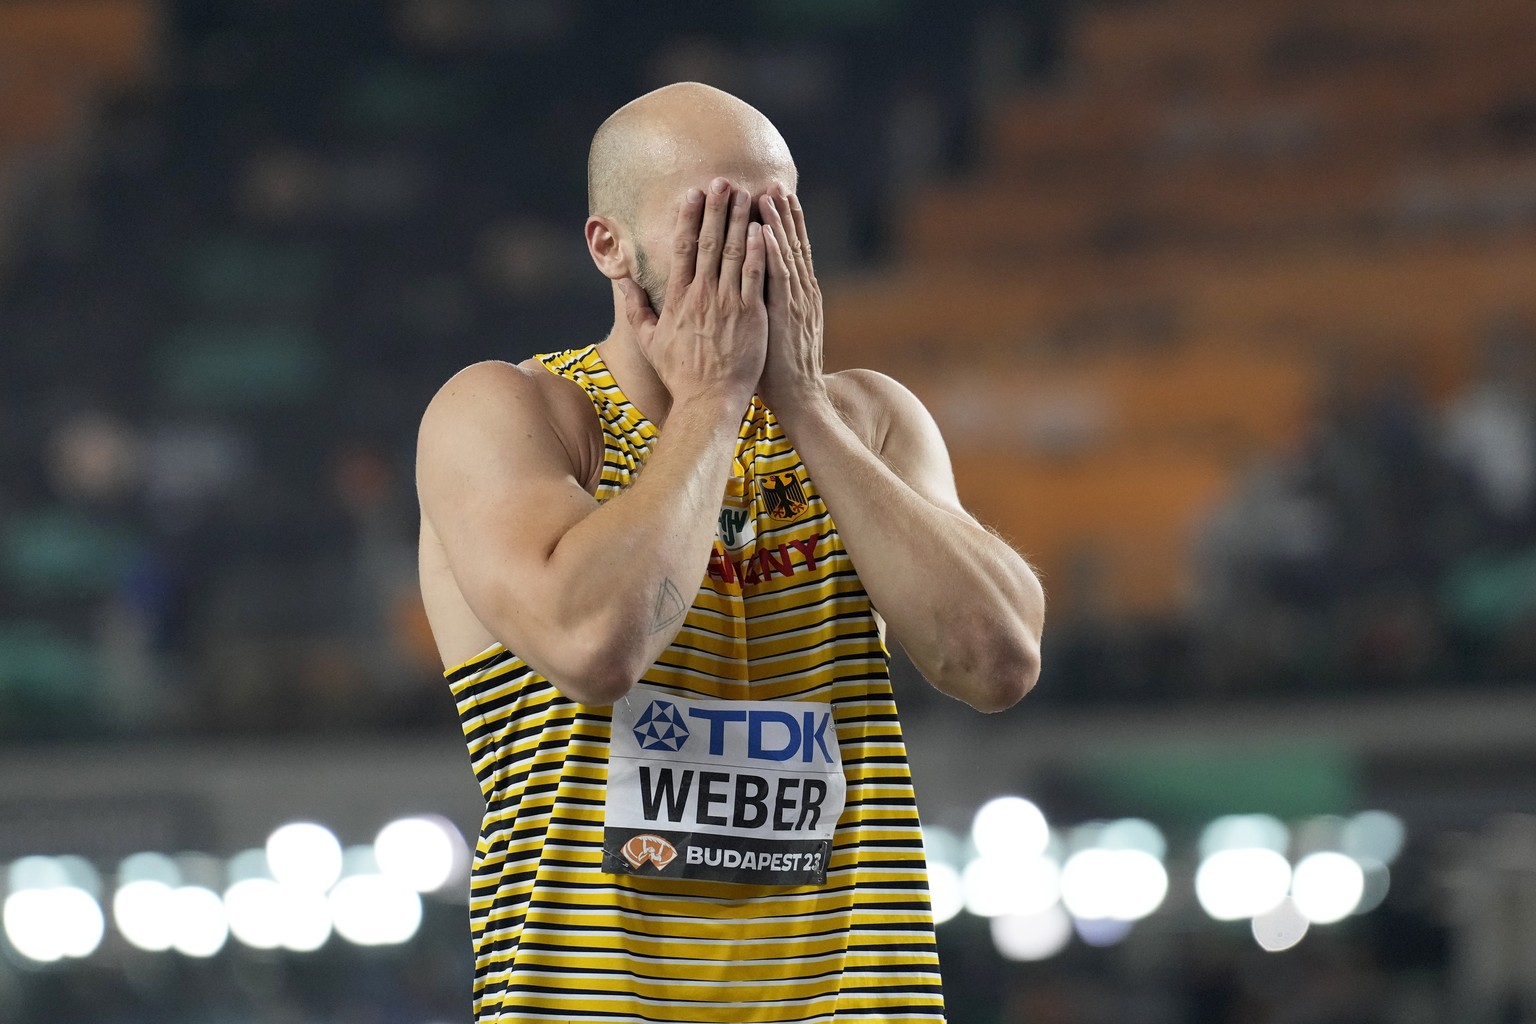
(784, 497)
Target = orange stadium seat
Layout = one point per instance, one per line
(999, 219)
(1182, 44)
(1133, 515)
(1219, 399)
(109, 41)
(928, 316)
(37, 109)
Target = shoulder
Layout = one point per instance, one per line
(478, 382)
(872, 403)
(504, 405)
(492, 381)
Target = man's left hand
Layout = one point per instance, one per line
(792, 375)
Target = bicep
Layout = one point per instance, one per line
(498, 488)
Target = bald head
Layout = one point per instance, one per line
(679, 136)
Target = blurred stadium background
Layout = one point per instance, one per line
(1228, 310)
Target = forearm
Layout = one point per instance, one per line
(622, 579)
(965, 606)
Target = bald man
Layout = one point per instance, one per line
(652, 567)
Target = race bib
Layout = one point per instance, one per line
(724, 790)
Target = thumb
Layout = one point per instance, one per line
(637, 307)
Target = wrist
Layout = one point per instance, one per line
(805, 400)
(724, 406)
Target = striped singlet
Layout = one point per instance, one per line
(781, 617)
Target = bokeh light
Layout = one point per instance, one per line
(141, 910)
(945, 891)
(305, 855)
(1280, 927)
(1019, 885)
(1118, 885)
(266, 914)
(198, 923)
(1320, 832)
(1101, 932)
(48, 924)
(151, 867)
(942, 846)
(1037, 936)
(254, 907)
(1373, 835)
(1009, 827)
(35, 873)
(1134, 834)
(306, 919)
(246, 864)
(1232, 884)
(1327, 887)
(1378, 881)
(424, 853)
(1245, 832)
(375, 910)
(80, 873)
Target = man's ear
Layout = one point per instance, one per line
(607, 248)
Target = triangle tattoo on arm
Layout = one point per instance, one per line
(669, 606)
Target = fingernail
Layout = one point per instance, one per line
(754, 229)
(718, 185)
(694, 195)
(794, 201)
(740, 201)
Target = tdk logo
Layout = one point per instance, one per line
(771, 735)
(661, 727)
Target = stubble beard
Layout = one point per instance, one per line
(654, 286)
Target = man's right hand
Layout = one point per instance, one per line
(711, 338)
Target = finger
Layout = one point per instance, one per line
(637, 306)
(786, 217)
(794, 248)
(685, 240)
(781, 264)
(779, 273)
(735, 250)
(753, 266)
(798, 220)
(712, 232)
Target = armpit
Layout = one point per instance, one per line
(574, 422)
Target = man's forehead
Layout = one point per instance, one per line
(667, 189)
(695, 152)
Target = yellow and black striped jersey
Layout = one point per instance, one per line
(779, 616)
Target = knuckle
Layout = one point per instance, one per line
(733, 250)
(683, 246)
(708, 244)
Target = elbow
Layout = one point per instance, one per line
(587, 656)
(599, 676)
(595, 690)
(586, 664)
(1007, 662)
(1008, 672)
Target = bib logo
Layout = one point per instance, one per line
(784, 497)
(735, 527)
(647, 847)
(660, 728)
